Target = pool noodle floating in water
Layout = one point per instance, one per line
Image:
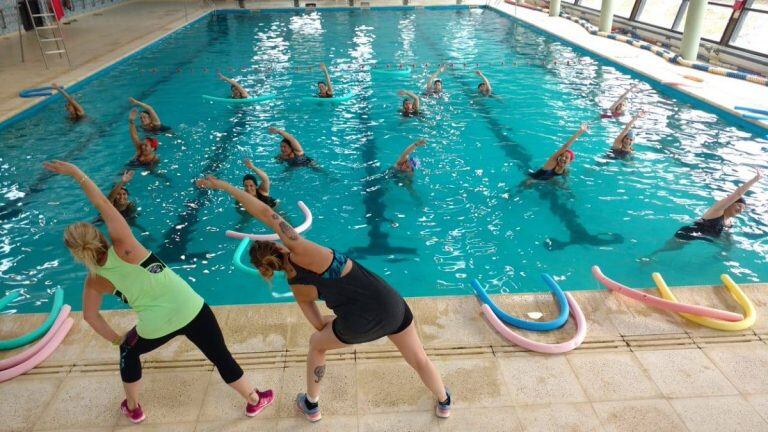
(661, 303)
(39, 357)
(58, 301)
(261, 98)
(545, 348)
(335, 99)
(398, 72)
(30, 352)
(557, 294)
(274, 237)
(749, 309)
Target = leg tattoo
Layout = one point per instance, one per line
(319, 373)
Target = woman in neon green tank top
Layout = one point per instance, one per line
(165, 304)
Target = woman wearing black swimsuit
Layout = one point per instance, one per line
(557, 164)
(366, 308)
(252, 186)
(715, 221)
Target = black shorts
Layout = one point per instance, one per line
(346, 332)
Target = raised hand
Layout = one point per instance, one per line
(584, 127)
(248, 163)
(209, 182)
(127, 176)
(420, 143)
(63, 168)
(273, 130)
(132, 100)
(132, 115)
(322, 66)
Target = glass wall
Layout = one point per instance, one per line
(747, 30)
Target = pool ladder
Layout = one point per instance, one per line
(48, 33)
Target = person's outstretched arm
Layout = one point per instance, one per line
(622, 97)
(264, 185)
(92, 297)
(485, 81)
(327, 78)
(134, 133)
(295, 145)
(240, 88)
(119, 231)
(290, 238)
(625, 131)
(410, 149)
(414, 98)
(127, 177)
(152, 114)
(719, 207)
(433, 77)
(78, 108)
(552, 161)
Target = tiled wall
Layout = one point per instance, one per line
(8, 14)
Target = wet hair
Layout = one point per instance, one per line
(287, 142)
(321, 82)
(267, 257)
(741, 200)
(437, 81)
(480, 85)
(252, 178)
(86, 243)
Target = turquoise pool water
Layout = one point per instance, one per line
(462, 216)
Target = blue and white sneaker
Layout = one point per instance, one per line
(313, 414)
(443, 410)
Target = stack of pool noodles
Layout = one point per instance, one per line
(53, 330)
(709, 317)
(567, 305)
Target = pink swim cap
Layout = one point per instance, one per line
(571, 154)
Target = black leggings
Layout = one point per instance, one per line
(203, 331)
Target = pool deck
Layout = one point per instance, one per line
(638, 370)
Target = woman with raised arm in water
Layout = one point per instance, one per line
(75, 111)
(622, 145)
(557, 164)
(145, 150)
(237, 91)
(411, 103)
(406, 163)
(324, 89)
(165, 304)
(148, 117)
(366, 308)
(484, 88)
(291, 151)
(252, 186)
(618, 108)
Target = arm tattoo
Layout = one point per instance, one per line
(288, 231)
(128, 252)
(319, 373)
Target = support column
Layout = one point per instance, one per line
(694, 20)
(606, 16)
(554, 8)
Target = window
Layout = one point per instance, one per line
(760, 5)
(752, 32)
(715, 19)
(592, 4)
(624, 8)
(660, 13)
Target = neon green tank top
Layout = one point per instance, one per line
(163, 301)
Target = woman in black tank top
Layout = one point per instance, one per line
(366, 308)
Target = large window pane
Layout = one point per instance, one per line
(752, 34)
(660, 12)
(760, 4)
(594, 4)
(715, 19)
(624, 8)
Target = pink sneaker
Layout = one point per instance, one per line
(135, 415)
(265, 399)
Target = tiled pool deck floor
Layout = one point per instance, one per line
(638, 370)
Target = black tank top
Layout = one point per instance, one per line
(359, 296)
